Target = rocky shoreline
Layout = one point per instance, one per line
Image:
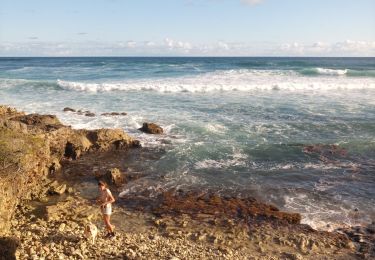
(45, 165)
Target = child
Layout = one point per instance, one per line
(105, 201)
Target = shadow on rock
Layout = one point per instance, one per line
(8, 247)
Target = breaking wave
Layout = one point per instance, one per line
(230, 80)
(337, 72)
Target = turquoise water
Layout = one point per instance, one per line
(235, 125)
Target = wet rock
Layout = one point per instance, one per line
(115, 114)
(68, 109)
(151, 128)
(207, 205)
(89, 114)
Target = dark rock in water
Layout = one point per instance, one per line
(151, 128)
(115, 114)
(325, 150)
(68, 109)
(89, 114)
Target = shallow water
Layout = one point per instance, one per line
(236, 125)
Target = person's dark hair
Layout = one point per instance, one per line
(102, 183)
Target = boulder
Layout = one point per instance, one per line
(151, 128)
(112, 176)
(68, 109)
(104, 139)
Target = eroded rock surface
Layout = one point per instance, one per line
(151, 128)
(32, 147)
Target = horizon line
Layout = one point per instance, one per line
(172, 56)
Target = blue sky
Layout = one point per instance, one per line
(187, 27)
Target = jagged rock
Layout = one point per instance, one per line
(33, 146)
(151, 128)
(104, 139)
(114, 177)
(114, 114)
(56, 188)
(68, 109)
(43, 122)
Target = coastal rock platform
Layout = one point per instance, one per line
(40, 155)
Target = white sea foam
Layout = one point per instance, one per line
(9, 83)
(231, 80)
(237, 159)
(332, 72)
(216, 128)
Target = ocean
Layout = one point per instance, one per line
(295, 132)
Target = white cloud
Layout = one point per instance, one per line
(131, 44)
(344, 48)
(251, 2)
(174, 47)
(177, 45)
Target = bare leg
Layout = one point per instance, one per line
(107, 223)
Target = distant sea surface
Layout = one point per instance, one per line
(295, 132)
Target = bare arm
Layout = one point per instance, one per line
(110, 199)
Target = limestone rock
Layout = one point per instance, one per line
(151, 128)
(114, 176)
(56, 188)
(44, 122)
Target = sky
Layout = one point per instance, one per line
(187, 28)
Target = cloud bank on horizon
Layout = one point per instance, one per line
(187, 28)
(170, 47)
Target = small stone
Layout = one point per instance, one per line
(62, 227)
